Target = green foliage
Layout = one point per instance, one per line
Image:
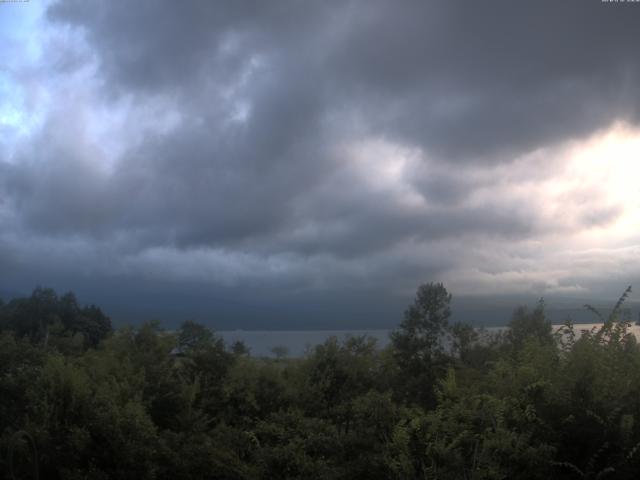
(418, 343)
(440, 402)
(424, 324)
(528, 325)
(44, 315)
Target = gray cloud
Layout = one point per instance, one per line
(314, 146)
(443, 75)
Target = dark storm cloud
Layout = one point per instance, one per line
(154, 46)
(55, 188)
(312, 143)
(465, 79)
(475, 79)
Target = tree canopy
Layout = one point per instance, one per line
(442, 401)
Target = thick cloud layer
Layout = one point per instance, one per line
(291, 151)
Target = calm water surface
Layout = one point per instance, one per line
(296, 343)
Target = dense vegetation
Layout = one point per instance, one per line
(441, 402)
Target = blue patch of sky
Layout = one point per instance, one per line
(21, 34)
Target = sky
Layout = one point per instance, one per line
(291, 164)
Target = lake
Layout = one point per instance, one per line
(297, 342)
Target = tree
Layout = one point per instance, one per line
(94, 325)
(418, 342)
(528, 325)
(425, 322)
(44, 315)
(207, 361)
(463, 339)
(194, 336)
(240, 349)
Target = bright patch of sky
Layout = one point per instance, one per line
(21, 37)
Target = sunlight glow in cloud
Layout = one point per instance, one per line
(607, 166)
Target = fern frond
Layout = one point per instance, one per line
(619, 303)
(595, 456)
(595, 311)
(569, 466)
(632, 452)
(604, 472)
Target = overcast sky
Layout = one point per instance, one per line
(300, 163)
